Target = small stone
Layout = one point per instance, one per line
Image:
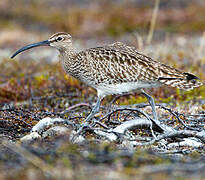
(30, 137)
(56, 131)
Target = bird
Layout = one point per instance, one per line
(115, 69)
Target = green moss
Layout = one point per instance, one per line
(66, 162)
(133, 100)
(194, 94)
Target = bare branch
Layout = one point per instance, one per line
(137, 122)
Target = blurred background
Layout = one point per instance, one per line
(176, 36)
(34, 86)
(103, 21)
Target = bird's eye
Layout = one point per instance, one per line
(59, 38)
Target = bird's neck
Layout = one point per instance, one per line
(67, 55)
(68, 58)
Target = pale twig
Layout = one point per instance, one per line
(183, 133)
(75, 106)
(156, 122)
(201, 45)
(139, 40)
(185, 143)
(153, 21)
(137, 122)
(46, 122)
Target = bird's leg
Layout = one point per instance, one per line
(155, 120)
(152, 104)
(95, 110)
(161, 126)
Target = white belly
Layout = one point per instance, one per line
(104, 90)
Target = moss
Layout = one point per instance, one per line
(66, 162)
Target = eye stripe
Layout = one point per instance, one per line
(51, 41)
(58, 38)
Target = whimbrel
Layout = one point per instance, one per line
(115, 69)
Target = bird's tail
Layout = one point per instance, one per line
(185, 81)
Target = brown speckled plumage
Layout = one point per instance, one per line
(115, 69)
(118, 63)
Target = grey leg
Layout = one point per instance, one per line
(155, 120)
(152, 104)
(90, 116)
(94, 110)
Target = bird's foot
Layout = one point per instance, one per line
(153, 134)
(81, 130)
(78, 133)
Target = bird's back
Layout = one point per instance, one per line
(115, 64)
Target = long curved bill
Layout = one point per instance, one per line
(42, 43)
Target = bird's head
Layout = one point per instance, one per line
(60, 41)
